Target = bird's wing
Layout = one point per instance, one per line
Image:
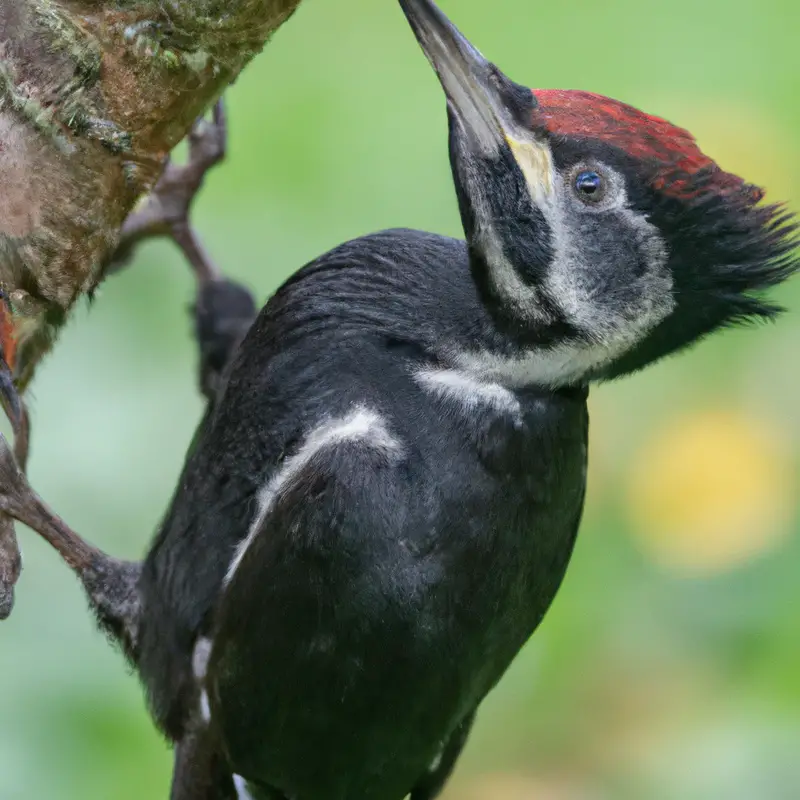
(209, 515)
(432, 783)
(322, 601)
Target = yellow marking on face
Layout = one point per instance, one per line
(536, 163)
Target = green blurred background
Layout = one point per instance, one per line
(669, 666)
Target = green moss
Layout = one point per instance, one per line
(74, 108)
(43, 120)
(65, 36)
(195, 33)
(159, 43)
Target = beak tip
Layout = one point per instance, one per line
(463, 73)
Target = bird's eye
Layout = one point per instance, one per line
(589, 186)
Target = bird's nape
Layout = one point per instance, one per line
(729, 250)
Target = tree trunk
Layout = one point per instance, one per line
(93, 96)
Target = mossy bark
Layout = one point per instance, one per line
(93, 95)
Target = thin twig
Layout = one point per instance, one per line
(166, 211)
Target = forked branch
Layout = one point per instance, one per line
(166, 210)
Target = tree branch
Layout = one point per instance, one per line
(166, 211)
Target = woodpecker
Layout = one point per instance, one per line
(382, 500)
(382, 505)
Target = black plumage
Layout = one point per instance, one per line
(378, 510)
(402, 586)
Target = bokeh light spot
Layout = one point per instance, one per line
(516, 786)
(710, 491)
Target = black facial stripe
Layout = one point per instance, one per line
(520, 226)
(522, 232)
(557, 330)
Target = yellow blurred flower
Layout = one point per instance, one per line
(711, 490)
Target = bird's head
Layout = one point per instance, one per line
(601, 237)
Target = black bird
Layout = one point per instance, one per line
(383, 504)
(378, 511)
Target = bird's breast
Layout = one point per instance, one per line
(510, 471)
(410, 543)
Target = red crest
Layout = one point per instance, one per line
(671, 151)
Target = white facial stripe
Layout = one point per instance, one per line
(361, 425)
(536, 163)
(468, 392)
(563, 365)
(524, 300)
(569, 283)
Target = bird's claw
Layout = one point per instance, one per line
(223, 310)
(223, 313)
(208, 139)
(10, 557)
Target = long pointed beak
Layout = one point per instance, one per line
(464, 74)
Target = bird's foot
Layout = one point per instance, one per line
(111, 585)
(223, 310)
(223, 313)
(20, 502)
(10, 565)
